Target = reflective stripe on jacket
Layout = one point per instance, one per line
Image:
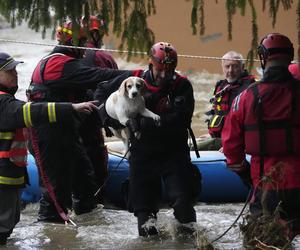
(13, 148)
(223, 96)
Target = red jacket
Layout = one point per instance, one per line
(277, 153)
(99, 58)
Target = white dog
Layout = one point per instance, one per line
(127, 102)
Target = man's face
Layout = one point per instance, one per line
(9, 78)
(232, 69)
(158, 73)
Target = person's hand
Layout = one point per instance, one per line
(221, 150)
(133, 124)
(85, 107)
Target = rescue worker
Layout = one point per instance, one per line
(61, 76)
(98, 58)
(236, 80)
(264, 122)
(161, 152)
(15, 116)
(90, 130)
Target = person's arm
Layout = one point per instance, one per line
(77, 76)
(104, 89)
(18, 114)
(233, 133)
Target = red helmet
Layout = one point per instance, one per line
(65, 34)
(294, 69)
(95, 23)
(276, 46)
(163, 56)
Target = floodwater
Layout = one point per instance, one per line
(111, 228)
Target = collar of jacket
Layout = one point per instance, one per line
(65, 51)
(277, 74)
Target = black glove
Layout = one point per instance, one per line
(245, 175)
(147, 123)
(133, 124)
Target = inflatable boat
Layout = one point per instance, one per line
(219, 184)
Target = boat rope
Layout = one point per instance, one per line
(45, 178)
(237, 218)
(114, 50)
(110, 173)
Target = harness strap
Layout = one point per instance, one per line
(261, 128)
(194, 141)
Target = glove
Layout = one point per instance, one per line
(243, 171)
(147, 123)
(133, 124)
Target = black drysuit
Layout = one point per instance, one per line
(62, 77)
(161, 154)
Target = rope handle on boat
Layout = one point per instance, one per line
(45, 178)
(114, 169)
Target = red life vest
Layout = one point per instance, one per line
(13, 148)
(163, 104)
(272, 120)
(38, 91)
(223, 96)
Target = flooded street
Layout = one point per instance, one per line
(116, 229)
(112, 228)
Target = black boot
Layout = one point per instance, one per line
(82, 206)
(3, 237)
(47, 213)
(145, 231)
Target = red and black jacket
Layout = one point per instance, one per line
(62, 77)
(224, 94)
(273, 126)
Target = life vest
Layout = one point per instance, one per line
(163, 101)
(223, 96)
(12, 149)
(272, 127)
(42, 75)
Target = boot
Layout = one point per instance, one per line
(145, 231)
(81, 206)
(47, 213)
(4, 236)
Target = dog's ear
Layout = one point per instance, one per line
(123, 87)
(142, 82)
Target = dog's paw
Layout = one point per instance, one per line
(156, 119)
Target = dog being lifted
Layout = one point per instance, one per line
(127, 102)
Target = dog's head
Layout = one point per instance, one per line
(132, 87)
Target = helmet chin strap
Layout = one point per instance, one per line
(262, 61)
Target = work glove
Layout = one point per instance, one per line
(141, 123)
(243, 171)
(133, 124)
